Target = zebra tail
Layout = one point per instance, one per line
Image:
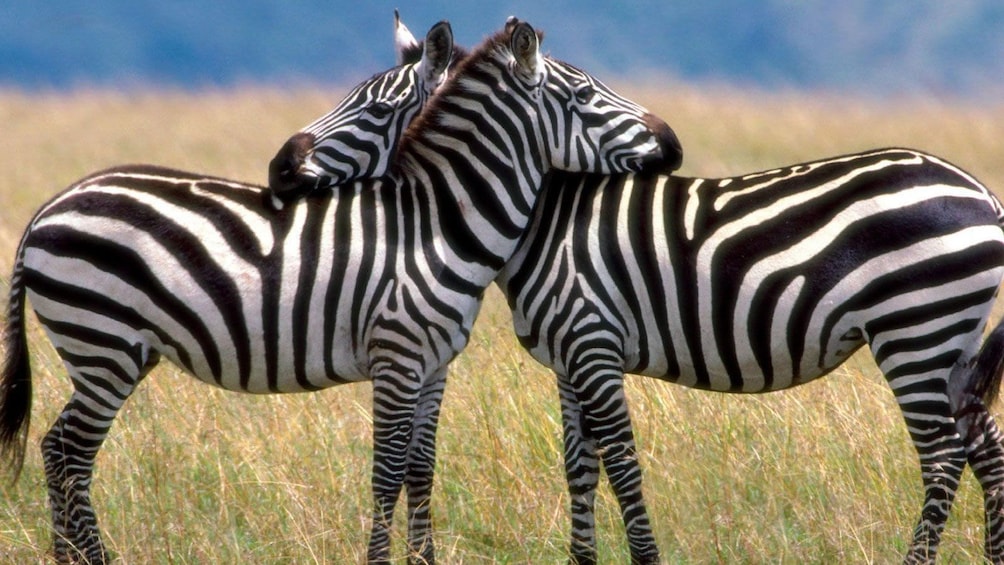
(982, 382)
(15, 381)
(985, 376)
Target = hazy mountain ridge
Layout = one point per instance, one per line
(855, 45)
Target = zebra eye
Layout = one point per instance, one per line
(379, 110)
(584, 93)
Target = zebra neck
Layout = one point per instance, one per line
(479, 203)
(480, 167)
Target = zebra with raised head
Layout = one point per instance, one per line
(379, 280)
(759, 283)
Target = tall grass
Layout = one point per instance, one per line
(191, 474)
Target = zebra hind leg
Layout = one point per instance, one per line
(942, 460)
(983, 441)
(942, 456)
(923, 399)
(69, 450)
(72, 443)
(972, 388)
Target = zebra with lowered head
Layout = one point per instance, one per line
(760, 283)
(369, 120)
(378, 280)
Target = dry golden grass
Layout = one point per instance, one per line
(190, 474)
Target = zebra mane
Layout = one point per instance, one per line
(412, 54)
(463, 61)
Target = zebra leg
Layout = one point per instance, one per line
(69, 450)
(942, 460)
(421, 467)
(68, 470)
(582, 473)
(983, 442)
(971, 388)
(395, 396)
(599, 388)
(926, 408)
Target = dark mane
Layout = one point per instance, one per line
(412, 54)
(459, 68)
(459, 54)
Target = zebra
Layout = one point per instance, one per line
(371, 114)
(378, 280)
(760, 283)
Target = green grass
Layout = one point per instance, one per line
(191, 474)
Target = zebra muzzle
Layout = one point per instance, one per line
(669, 144)
(284, 170)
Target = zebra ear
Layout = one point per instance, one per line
(437, 53)
(404, 41)
(524, 44)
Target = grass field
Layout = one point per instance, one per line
(191, 474)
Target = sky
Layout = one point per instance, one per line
(862, 46)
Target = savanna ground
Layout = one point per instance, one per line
(191, 474)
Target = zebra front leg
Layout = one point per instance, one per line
(582, 474)
(395, 396)
(606, 422)
(421, 468)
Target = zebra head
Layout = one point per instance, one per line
(357, 138)
(589, 114)
(579, 124)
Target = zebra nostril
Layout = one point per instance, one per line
(292, 155)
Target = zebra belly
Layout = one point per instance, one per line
(710, 373)
(92, 334)
(776, 328)
(220, 333)
(752, 377)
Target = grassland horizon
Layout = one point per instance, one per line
(190, 474)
